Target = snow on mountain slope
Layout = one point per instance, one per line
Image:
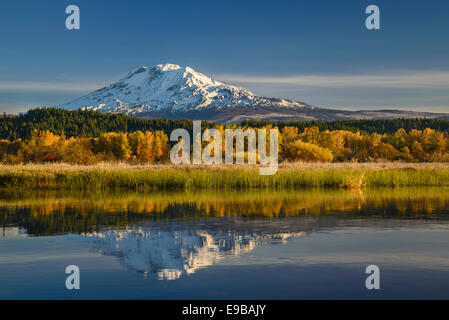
(170, 88)
(174, 92)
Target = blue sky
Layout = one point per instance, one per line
(316, 51)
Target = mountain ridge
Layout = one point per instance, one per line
(175, 92)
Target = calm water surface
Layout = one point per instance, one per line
(303, 244)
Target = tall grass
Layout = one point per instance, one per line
(216, 178)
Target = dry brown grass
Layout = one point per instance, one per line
(289, 165)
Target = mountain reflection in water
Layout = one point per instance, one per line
(167, 236)
(171, 252)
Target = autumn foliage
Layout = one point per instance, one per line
(310, 145)
(44, 146)
(323, 146)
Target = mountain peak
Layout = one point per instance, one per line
(156, 68)
(167, 67)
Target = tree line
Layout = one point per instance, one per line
(311, 144)
(381, 126)
(77, 123)
(87, 137)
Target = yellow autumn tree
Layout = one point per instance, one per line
(146, 148)
(161, 146)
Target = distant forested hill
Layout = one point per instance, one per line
(92, 124)
(81, 123)
(365, 126)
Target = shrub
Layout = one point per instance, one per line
(303, 151)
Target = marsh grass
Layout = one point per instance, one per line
(166, 177)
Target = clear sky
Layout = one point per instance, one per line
(316, 51)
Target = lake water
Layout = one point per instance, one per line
(301, 244)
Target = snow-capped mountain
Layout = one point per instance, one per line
(171, 89)
(174, 92)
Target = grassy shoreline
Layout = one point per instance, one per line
(168, 177)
